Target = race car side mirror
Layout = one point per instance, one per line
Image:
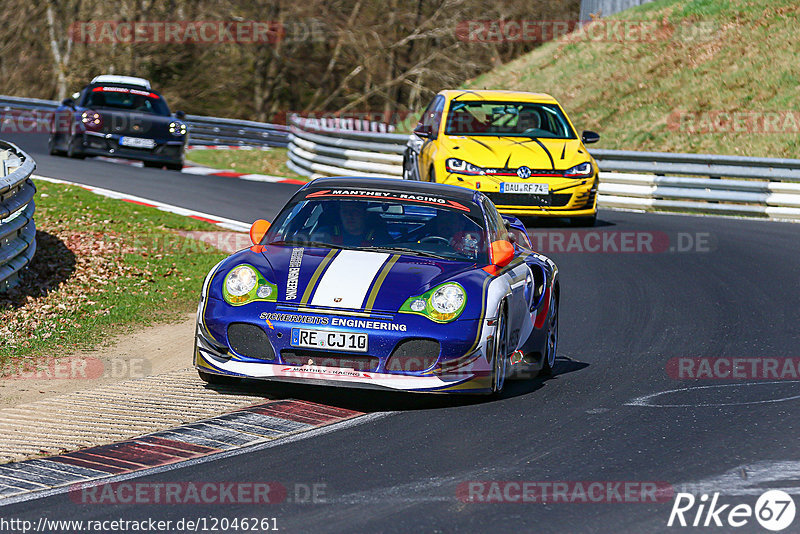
(68, 102)
(423, 130)
(257, 233)
(589, 137)
(501, 253)
(180, 115)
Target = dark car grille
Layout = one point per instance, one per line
(251, 341)
(340, 360)
(513, 199)
(413, 355)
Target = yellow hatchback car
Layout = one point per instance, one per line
(519, 149)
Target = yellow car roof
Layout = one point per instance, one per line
(497, 96)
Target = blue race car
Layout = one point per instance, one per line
(381, 283)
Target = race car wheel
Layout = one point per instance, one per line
(408, 173)
(174, 167)
(153, 164)
(500, 350)
(73, 149)
(51, 146)
(216, 380)
(551, 345)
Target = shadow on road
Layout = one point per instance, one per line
(364, 400)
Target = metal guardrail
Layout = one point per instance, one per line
(315, 150)
(202, 130)
(734, 185)
(17, 228)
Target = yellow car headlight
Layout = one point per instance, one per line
(244, 284)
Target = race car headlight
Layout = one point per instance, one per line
(90, 118)
(177, 128)
(442, 304)
(580, 171)
(244, 284)
(462, 167)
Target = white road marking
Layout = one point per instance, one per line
(645, 400)
(223, 222)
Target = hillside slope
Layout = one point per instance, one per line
(715, 76)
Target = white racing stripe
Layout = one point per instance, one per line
(348, 278)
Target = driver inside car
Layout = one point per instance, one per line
(451, 228)
(356, 227)
(528, 120)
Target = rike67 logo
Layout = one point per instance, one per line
(774, 510)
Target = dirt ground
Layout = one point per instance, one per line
(153, 350)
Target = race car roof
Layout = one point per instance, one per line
(461, 194)
(497, 96)
(123, 80)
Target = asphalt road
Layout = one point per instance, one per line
(240, 200)
(610, 413)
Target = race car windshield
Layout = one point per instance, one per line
(126, 99)
(384, 226)
(508, 119)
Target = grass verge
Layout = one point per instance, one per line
(102, 267)
(272, 162)
(702, 76)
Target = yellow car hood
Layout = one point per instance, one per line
(514, 152)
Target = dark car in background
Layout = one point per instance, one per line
(121, 117)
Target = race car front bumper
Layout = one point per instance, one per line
(269, 357)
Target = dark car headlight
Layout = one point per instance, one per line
(177, 128)
(582, 170)
(244, 284)
(460, 166)
(442, 304)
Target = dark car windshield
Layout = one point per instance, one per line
(508, 119)
(123, 98)
(392, 226)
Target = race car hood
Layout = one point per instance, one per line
(514, 152)
(354, 280)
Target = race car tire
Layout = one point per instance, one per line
(174, 166)
(153, 164)
(408, 174)
(217, 380)
(500, 353)
(73, 150)
(551, 343)
(51, 146)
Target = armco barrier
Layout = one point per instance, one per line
(17, 229)
(734, 185)
(314, 149)
(202, 130)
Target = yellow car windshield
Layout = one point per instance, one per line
(508, 119)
